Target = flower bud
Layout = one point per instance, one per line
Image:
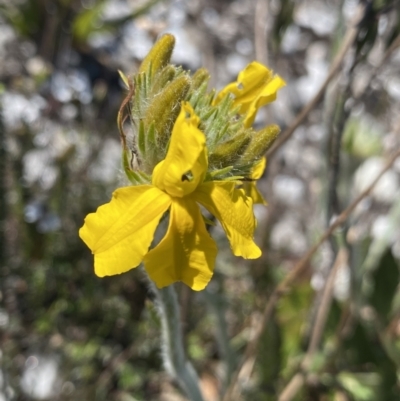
(159, 55)
(161, 115)
(166, 75)
(261, 141)
(199, 77)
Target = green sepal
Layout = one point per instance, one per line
(222, 172)
(221, 175)
(141, 139)
(261, 141)
(135, 177)
(201, 100)
(151, 136)
(210, 115)
(150, 145)
(136, 100)
(237, 178)
(124, 78)
(226, 104)
(211, 96)
(144, 178)
(220, 125)
(159, 55)
(165, 76)
(132, 176)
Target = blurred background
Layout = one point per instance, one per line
(67, 335)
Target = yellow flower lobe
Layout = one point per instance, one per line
(255, 87)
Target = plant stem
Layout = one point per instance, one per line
(172, 343)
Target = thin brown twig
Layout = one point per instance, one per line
(325, 304)
(299, 378)
(246, 368)
(348, 41)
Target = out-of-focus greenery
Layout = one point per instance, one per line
(103, 334)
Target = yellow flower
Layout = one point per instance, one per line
(255, 87)
(121, 231)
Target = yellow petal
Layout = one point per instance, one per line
(265, 96)
(185, 165)
(258, 169)
(120, 232)
(269, 91)
(234, 210)
(187, 252)
(255, 87)
(249, 83)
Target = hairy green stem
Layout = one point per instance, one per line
(173, 352)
